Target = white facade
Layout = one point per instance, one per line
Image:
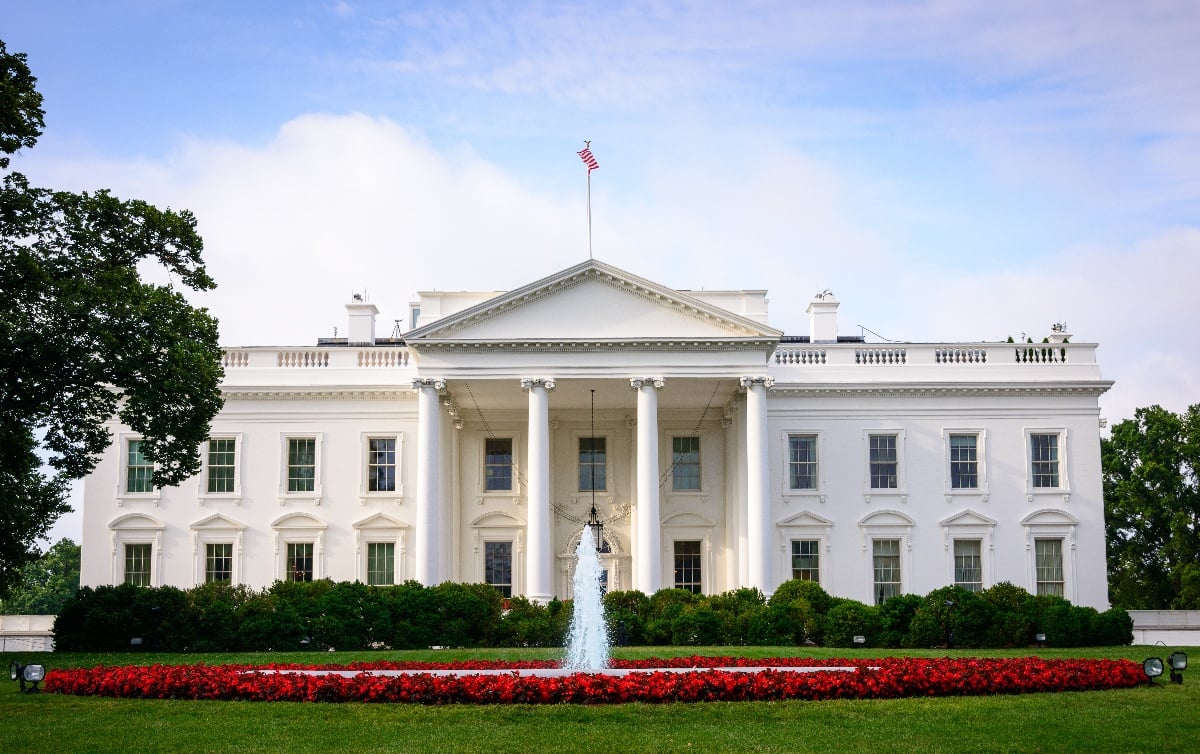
(724, 454)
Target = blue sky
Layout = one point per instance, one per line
(953, 171)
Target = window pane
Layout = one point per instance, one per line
(1049, 564)
(221, 455)
(685, 463)
(381, 563)
(139, 471)
(302, 464)
(964, 462)
(968, 564)
(300, 561)
(1043, 453)
(498, 464)
(381, 464)
(137, 564)
(806, 560)
(883, 461)
(802, 462)
(497, 566)
(592, 464)
(218, 562)
(687, 566)
(886, 554)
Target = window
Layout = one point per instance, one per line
(497, 566)
(802, 462)
(964, 462)
(687, 566)
(222, 457)
(886, 555)
(1048, 558)
(968, 564)
(218, 562)
(806, 560)
(592, 464)
(137, 564)
(685, 463)
(381, 465)
(1043, 455)
(381, 563)
(498, 464)
(301, 464)
(139, 472)
(300, 561)
(884, 462)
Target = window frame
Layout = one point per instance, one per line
(203, 495)
(299, 527)
(314, 495)
(698, 464)
(388, 573)
(123, 494)
(971, 586)
(876, 584)
(208, 560)
(488, 542)
(149, 562)
(816, 542)
(1051, 523)
(816, 463)
(580, 465)
(981, 461)
(290, 559)
(513, 483)
(136, 528)
(697, 586)
(901, 488)
(365, 492)
(1062, 567)
(1062, 446)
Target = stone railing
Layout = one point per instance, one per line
(951, 357)
(316, 358)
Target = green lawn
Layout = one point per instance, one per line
(1152, 719)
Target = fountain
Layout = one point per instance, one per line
(587, 640)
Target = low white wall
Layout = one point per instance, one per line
(1174, 628)
(27, 633)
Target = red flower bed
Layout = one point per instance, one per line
(873, 679)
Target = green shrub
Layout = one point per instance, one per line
(628, 610)
(950, 616)
(666, 605)
(1013, 618)
(743, 617)
(848, 619)
(895, 617)
(797, 611)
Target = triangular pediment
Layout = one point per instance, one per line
(594, 303)
(806, 518)
(380, 521)
(968, 517)
(218, 521)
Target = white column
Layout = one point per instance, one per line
(539, 574)
(758, 509)
(647, 563)
(429, 443)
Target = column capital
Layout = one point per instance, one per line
(639, 382)
(528, 383)
(437, 383)
(747, 382)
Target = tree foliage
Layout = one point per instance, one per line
(85, 338)
(1152, 509)
(45, 584)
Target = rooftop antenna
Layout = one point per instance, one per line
(396, 329)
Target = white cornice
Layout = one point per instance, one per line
(602, 345)
(308, 392)
(1091, 389)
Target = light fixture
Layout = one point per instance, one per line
(593, 519)
(1152, 667)
(1178, 663)
(860, 640)
(24, 674)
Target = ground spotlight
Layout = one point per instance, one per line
(1178, 663)
(32, 674)
(1152, 667)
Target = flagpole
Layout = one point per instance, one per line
(589, 160)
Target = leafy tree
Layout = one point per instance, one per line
(84, 338)
(1152, 508)
(45, 584)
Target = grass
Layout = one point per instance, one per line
(1158, 719)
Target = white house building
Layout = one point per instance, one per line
(718, 452)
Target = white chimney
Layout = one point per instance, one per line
(822, 318)
(362, 321)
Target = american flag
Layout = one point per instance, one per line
(585, 154)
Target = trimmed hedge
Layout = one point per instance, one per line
(353, 616)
